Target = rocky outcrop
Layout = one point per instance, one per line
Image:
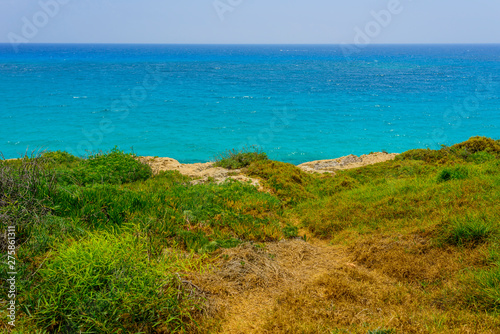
(347, 162)
(200, 172)
(203, 172)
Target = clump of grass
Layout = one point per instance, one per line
(235, 159)
(468, 231)
(114, 167)
(456, 153)
(453, 173)
(482, 288)
(108, 284)
(25, 188)
(290, 231)
(287, 182)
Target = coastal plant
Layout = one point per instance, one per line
(235, 159)
(25, 192)
(108, 284)
(113, 167)
(480, 144)
(61, 158)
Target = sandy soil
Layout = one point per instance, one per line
(202, 172)
(347, 162)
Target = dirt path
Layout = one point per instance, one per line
(250, 281)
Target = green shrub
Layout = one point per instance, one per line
(114, 167)
(108, 284)
(453, 173)
(234, 159)
(427, 155)
(61, 158)
(480, 144)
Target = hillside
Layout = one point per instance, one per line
(109, 244)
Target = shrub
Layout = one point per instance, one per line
(427, 155)
(480, 144)
(114, 167)
(108, 284)
(453, 173)
(61, 158)
(234, 159)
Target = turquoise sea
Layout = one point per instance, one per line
(298, 102)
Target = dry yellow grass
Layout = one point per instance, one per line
(398, 283)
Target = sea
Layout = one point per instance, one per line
(297, 103)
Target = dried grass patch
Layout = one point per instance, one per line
(411, 259)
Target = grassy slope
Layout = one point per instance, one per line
(423, 232)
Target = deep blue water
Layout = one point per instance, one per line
(299, 103)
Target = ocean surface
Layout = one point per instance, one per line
(297, 102)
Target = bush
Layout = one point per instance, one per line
(61, 158)
(480, 144)
(427, 155)
(467, 231)
(234, 159)
(114, 167)
(453, 173)
(108, 284)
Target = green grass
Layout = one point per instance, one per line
(105, 245)
(468, 231)
(108, 283)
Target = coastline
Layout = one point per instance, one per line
(202, 172)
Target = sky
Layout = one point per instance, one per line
(250, 21)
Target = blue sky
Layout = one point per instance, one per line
(250, 21)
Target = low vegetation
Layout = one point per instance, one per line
(235, 159)
(105, 246)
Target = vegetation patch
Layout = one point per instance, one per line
(409, 245)
(108, 284)
(236, 159)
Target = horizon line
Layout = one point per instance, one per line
(322, 44)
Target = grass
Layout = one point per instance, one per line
(105, 246)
